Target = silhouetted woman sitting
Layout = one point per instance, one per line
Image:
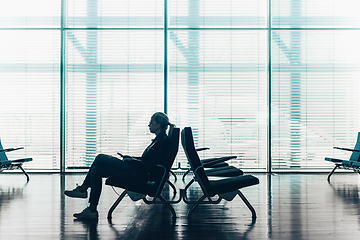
(109, 166)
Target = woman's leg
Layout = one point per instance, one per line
(105, 166)
(100, 160)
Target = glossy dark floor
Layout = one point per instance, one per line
(288, 206)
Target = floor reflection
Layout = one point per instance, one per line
(288, 206)
(90, 228)
(348, 193)
(11, 189)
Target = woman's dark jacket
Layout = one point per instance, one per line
(154, 154)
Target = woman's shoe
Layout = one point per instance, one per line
(76, 193)
(87, 214)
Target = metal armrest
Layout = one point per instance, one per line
(347, 149)
(217, 160)
(11, 149)
(202, 149)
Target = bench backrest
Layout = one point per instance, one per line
(3, 157)
(355, 156)
(187, 141)
(169, 159)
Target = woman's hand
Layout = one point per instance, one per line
(124, 156)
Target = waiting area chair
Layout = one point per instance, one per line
(6, 164)
(213, 167)
(224, 188)
(352, 164)
(150, 192)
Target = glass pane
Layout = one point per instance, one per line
(29, 96)
(115, 13)
(211, 13)
(315, 95)
(218, 86)
(114, 84)
(315, 13)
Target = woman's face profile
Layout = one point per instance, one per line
(153, 126)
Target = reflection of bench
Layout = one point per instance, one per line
(6, 164)
(352, 164)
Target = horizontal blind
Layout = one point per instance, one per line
(30, 14)
(315, 86)
(29, 95)
(114, 14)
(114, 77)
(217, 79)
(114, 83)
(315, 13)
(219, 14)
(217, 86)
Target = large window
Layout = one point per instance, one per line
(30, 47)
(274, 82)
(218, 76)
(315, 73)
(114, 54)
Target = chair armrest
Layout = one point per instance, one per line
(11, 149)
(202, 149)
(218, 160)
(212, 161)
(347, 149)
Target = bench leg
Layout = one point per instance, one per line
(331, 173)
(186, 173)
(172, 186)
(174, 175)
(172, 210)
(27, 176)
(247, 204)
(194, 206)
(116, 203)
